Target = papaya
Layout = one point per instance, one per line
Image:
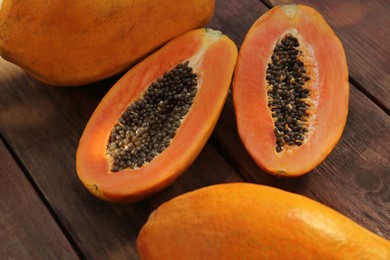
(252, 221)
(71, 43)
(290, 90)
(152, 124)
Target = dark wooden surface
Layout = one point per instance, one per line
(46, 212)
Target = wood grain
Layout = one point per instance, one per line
(43, 126)
(364, 30)
(27, 229)
(354, 179)
(234, 18)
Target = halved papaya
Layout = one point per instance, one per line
(290, 90)
(155, 120)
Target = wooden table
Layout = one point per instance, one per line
(45, 212)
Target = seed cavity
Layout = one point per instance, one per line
(149, 124)
(289, 97)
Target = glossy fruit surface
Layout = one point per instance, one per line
(78, 42)
(250, 221)
(325, 79)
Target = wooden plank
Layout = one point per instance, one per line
(364, 29)
(27, 229)
(234, 18)
(354, 179)
(43, 125)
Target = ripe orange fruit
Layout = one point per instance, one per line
(250, 221)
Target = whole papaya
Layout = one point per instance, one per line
(63, 42)
(250, 221)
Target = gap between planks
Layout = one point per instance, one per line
(45, 202)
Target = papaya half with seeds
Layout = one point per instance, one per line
(78, 42)
(250, 221)
(155, 120)
(290, 90)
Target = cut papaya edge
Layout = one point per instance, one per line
(212, 56)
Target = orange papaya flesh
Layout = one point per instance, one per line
(291, 102)
(250, 221)
(212, 57)
(75, 43)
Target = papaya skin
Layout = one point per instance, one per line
(250, 221)
(71, 43)
(329, 79)
(212, 56)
